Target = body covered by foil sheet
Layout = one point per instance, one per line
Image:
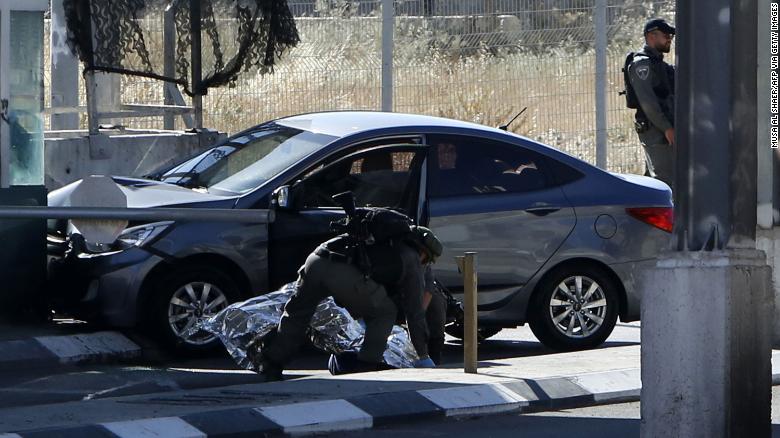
(242, 327)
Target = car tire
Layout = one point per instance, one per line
(179, 303)
(574, 308)
(456, 331)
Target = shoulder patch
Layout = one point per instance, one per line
(643, 71)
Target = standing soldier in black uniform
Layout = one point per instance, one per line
(650, 90)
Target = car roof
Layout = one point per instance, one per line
(344, 123)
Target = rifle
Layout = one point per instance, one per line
(354, 228)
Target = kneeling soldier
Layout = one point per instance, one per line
(331, 271)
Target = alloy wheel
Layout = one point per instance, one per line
(578, 306)
(189, 305)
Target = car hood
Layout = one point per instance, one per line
(146, 193)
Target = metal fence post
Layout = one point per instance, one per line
(64, 90)
(600, 23)
(90, 83)
(468, 264)
(388, 22)
(196, 71)
(93, 116)
(169, 60)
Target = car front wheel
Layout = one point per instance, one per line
(186, 297)
(574, 308)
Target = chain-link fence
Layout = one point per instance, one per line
(475, 60)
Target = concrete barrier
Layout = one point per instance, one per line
(72, 155)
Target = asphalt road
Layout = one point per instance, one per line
(609, 421)
(160, 372)
(613, 421)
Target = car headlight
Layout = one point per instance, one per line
(136, 236)
(130, 237)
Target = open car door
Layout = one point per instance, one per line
(382, 176)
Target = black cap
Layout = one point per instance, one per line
(658, 24)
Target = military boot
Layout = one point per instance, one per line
(271, 371)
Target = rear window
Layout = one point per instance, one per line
(463, 165)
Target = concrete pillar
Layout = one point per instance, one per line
(709, 313)
(90, 86)
(109, 94)
(767, 234)
(707, 308)
(64, 71)
(768, 240)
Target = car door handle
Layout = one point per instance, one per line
(542, 211)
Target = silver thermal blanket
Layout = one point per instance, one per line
(242, 327)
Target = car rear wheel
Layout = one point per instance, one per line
(574, 308)
(186, 297)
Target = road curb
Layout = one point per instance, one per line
(370, 410)
(50, 351)
(367, 411)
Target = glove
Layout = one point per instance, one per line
(425, 362)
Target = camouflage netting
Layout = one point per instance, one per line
(237, 35)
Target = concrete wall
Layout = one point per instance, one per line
(71, 155)
(706, 355)
(767, 241)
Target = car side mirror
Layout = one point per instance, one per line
(281, 198)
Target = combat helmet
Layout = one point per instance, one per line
(427, 241)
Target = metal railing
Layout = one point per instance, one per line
(151, 214)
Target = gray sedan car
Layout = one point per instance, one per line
(559, 242)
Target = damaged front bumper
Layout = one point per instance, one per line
(96, 286)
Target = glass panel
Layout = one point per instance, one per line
(25, 82)
(245, 162)
(377, 178)
(473, 166)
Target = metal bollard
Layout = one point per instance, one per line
(468, 265)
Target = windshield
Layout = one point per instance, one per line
(244, 163)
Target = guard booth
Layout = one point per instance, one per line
(22, 241)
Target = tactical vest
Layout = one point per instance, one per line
(385, 258)
(665, 86)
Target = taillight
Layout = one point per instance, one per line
(659, 217)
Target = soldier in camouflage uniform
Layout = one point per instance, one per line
(330, 271)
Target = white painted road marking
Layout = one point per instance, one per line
(165, 427)
(319, 416)
(77, 347)
(611, 383)
(474, 399)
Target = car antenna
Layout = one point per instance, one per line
(504, 127)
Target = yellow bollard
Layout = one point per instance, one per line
(468, 265)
